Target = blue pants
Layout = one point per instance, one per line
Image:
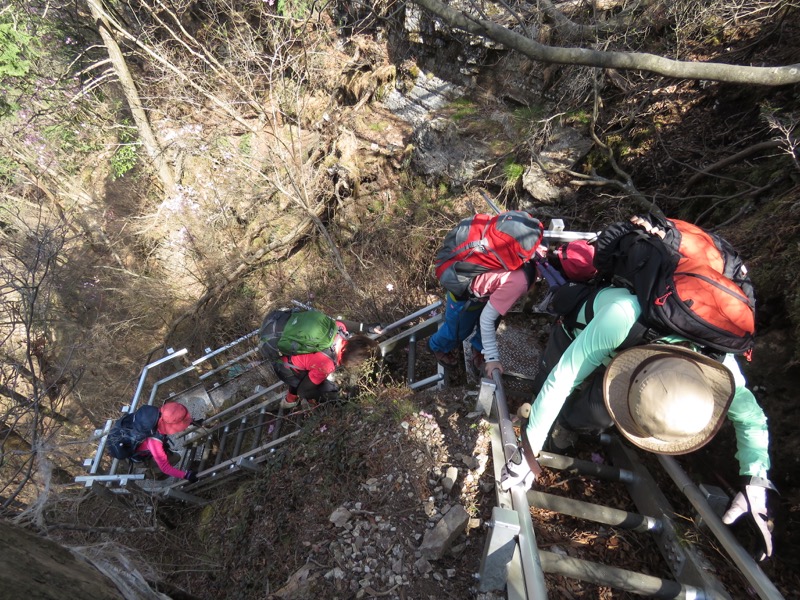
(460, 320)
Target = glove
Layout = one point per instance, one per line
(550, 274)
(516, 471)
(190, 476)
(753, 502)
(375, 328)
(334, 396)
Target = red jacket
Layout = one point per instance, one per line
(319, 364)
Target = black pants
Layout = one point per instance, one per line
(584, 410)
(299, 383)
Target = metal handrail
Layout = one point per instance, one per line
(746, 564)
(145, 371)
(222, 349)
(411, 317)
(526, 539)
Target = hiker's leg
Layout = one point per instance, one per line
(584, 411)
(309, 390)
(287, 376)
(459, 321)
(557, 343)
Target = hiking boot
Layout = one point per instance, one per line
(478, 361)
(560, 439)
(446, 359)
(290, 402)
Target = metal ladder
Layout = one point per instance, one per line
(512, 560)
(240, 429)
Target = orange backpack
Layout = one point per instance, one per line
(690, 282)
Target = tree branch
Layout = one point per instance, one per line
(613, 60)
(734, 158)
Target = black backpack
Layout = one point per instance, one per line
(690, 282)
(131, 430)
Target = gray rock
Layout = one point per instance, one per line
(565, 149)
(438, 540)
(340, 516)
(450, 479)
(422, 566)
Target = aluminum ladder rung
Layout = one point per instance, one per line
(604, 515)
(622, 579)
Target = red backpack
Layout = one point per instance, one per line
(690, 282)
(486, 243)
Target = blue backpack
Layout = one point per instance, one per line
(131, 430)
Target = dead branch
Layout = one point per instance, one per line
(779, 75)
(221, 104)
(149, 141)
(734, 158)
(93, 529)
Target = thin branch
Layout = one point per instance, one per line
(779, 75)
(734, 158)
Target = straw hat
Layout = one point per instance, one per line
(174, 418)
(667, 399)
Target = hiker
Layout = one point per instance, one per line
(662, 397)
(482, 288)
(154, 425)
(485, 264)
(307, 374)
(492, 295)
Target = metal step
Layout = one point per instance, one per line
(235, 439)
(512, 560)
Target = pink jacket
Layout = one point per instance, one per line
(156, 449)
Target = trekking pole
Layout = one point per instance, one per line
(491, 203)
(555, 232)
(301, 305)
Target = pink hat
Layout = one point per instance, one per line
(576, 260)
(174, 418)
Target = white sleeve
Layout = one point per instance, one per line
(489, 316)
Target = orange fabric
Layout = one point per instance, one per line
(722, 304)
(697, 245)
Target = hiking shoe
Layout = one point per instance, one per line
(446, 359)
(478, 361)
(560, 439)
(291, 401)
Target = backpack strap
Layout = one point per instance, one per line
(640, 333)
(329, 352)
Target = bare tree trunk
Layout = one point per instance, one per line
(637, 61)
(149, 141)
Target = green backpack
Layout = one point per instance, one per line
(287, 332)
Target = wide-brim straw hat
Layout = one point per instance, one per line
(667, 399)
(175, 417)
